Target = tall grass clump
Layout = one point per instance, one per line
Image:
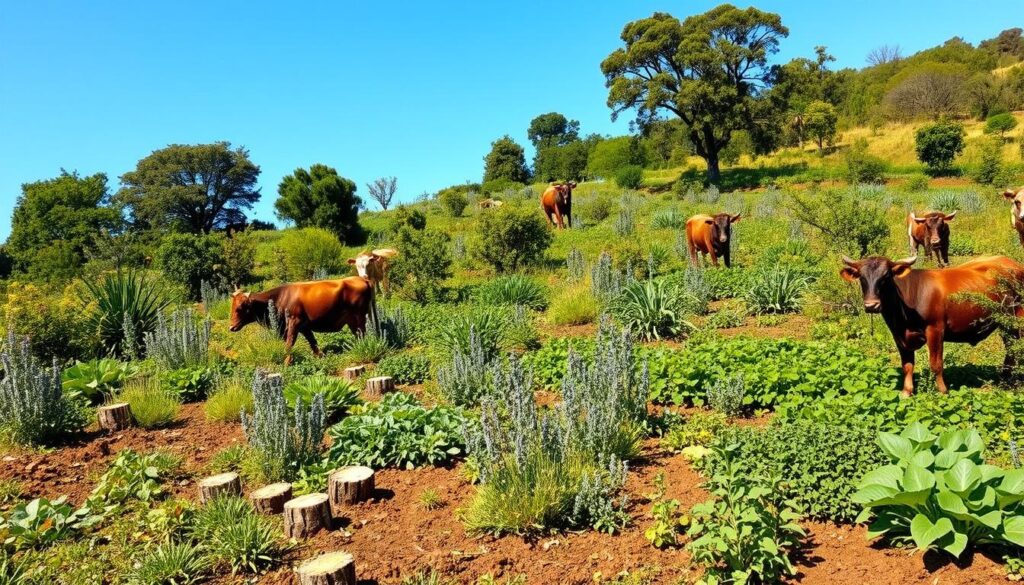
(226, 403)
(573, 306)
(490, 327)
(33, 407)
(776, 290)
(152, 405)
(181, 342)
(670, 218)
(650, 310)
(236, 536)
(127, 307)
(575, 265)
(514, 290)
(949, 201)
(281, 443)
(565, 466)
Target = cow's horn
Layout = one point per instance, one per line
(908, 260)
(849, 262)
(952, 215)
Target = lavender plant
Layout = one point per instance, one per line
(726, 395)
(469, 375)
(181, 342)
(575, 265)
(605, 281)
(282, 443)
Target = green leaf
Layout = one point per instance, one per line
(1011, 488)
(951, 503)
(963, 477)
(917, 479)
(1013, 529)
(919, 435)
(947, 458)
(895, 446)
(874, 495)
(925, 533)
(886, 475)
(955, 543)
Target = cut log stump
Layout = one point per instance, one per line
(270, 499)
(351, 374)
(306, 515)
(224, 484)
(333, 568)
(376, 387)
(349, 485)
(115, 417)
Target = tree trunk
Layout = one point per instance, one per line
(714, 173)
(349, 485)
(219, 485)
(115, 417)
(270, 499)
(376, 387)
(351, 374)
(306, 515)
(333, 568)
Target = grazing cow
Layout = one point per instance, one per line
(490, 203)
(1016, 211)
(305, 307)
(556, 201)
(710, 235)
(932, 232)
(373, 266)
(930, 307)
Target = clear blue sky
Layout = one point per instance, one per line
(412, 89)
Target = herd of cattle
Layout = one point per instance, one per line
(920, 307)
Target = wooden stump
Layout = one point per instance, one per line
(224, 484)
(351, 374)
(115, 417)
(306, 515)
(333, 568)
(270, 499)
(380, 385)
(349, 485)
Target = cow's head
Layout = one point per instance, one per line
(874, 273)
(363, 263)
(243, 311)
(564, 191)
(720, 226)
(933, 223)
(1017, 200)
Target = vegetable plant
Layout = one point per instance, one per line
(96, 379)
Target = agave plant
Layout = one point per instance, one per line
(338, 395)
(650, 310)
(125, 302)
(777, 290)
(515, 290)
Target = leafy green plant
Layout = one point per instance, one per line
(938, 493)
(670, 218)
(397, 431)
(152, 404)
(339, 395)
(429, 499)
(172, 563)
(727, 317)
(650, 310)
(699, 428)
(96, 379)
(405, 368)
(726, 395)
(236, 536)
(369, 347)
(667, 521)
(127, 306)
(514, 290)
(190, 383)
(939, 143)
(490, 326)
(573, 306)
(43, 522)
(776, 290)
(132, 477)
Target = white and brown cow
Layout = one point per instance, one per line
(373, 266)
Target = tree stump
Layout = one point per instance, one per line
(224, 484)
(270, 499)
(333, 568)
(306, 515)
(349, 485)
(351, 374)
(380, 385)
(115, 417)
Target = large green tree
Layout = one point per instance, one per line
(191, 187)
(550, 133)
(708, 70)
(56, 221)
(320, 197)
(506, 160)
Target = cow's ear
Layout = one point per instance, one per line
(572, 184)
(735, 218)
(849, 274)
(709, 221)
(1009, 194)
(901, 268)
(918, 219)
(949, 217)
(351, 260)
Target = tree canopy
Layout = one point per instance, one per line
(506, 160)
(320, 197)
(191, 187)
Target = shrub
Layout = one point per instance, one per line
(393, 325)
(990, 165)
(127, 307)
(515, 290)
(424, 264)
(916, 183)
(42, 522)
(1000, 124)
(152, 405)
(726, 395)
(338, 396)
(281, 443)
(189, 259)
(511, 238)
(697, 429)
(182, 342)
(33, 407)
(575, 265)
(629, 177)
(573, 306)
(469, 375)
(369, 347)
(776, 290)
(670, 218)
(938, 144)
(180, 563)
(190, 384)
(594, 208)
(938, 493)
(96, 379)
(226, 403)
(625, 222)
(305, 250)
(453, 202)
(727, 317)
(489, 325)
(54, 321)
(405, 368)
(862, 167)
(650, 310)
(849, 224)
(397, 431)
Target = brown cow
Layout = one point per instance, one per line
(373, 266)
(556, 201)
(305, 307)
(1016, 211)
(928, 306)
(932, 232)
(710, 235)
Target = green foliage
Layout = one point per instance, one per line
(339, 396)
(181, 342)
(668, 522)
(776, 290)
(131, 477)
(96, 379)
(188, 259)
(172, 563)
(429, 499)
(152, 404)
(194, 188)
(862, 167)
(670, 218)
(405, 368)
(513, 290)
(700, 428)
(726, 395)
(238, 257)
(397, 431)
(127, 307)
(990, 165)
(938, 144)
(321, 198)
(454, 202)
(236, 536)
(190, 384)
(489, 325)
(308, 250)
(650, 310)
(629, 177)
(727, 317)
(850, 224)
(745, 532)
(938, 492)
(916, 183)
(506, 160)
(820, 120)
(228, 400)
(573, 306)
(281, 442)
(425, 263)
(42, 522)
(52, 319)
(1000, 123)
(512, 237)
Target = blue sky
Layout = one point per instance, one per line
(412, 89)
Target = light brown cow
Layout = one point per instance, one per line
(1016, 211)
(711, 236)
(373, 266)
(556, 201)
(932, 232)
(490, 203)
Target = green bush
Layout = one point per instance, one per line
(670, 218)
(152, 405)
(593, 208)
(849, 224)
(938, 493)
(453, 202)
(54, 320)
(511, 238)
(990, 165)
(397, 431)
(190, 384)
(650, 310)
(490, 325)
(629, 177)
(180, 563)
(306, 251)
(127, 307)
(862, 167)
(339, 396)
(776, 290)
(500, 185)
(1000, 123)
(226, 403)
(405, 368)
(425, 263)
(938, 144)
(281, 442)
(513, 290)
(573, 306)
(190, 259)
(916, 183)
(699, 428)
(96, 379)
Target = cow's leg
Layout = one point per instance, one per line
(907, 358)
(291, 330)
(725, 257)
(558, 219)
(945, 254)
(934, 337)
(714, 257)
(568, 216)
(308, 334)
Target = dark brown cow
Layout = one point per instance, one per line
(711, 236)
(929, 306)
(1016, 211)
(305, 307)
(932, 232)
(556, 201)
